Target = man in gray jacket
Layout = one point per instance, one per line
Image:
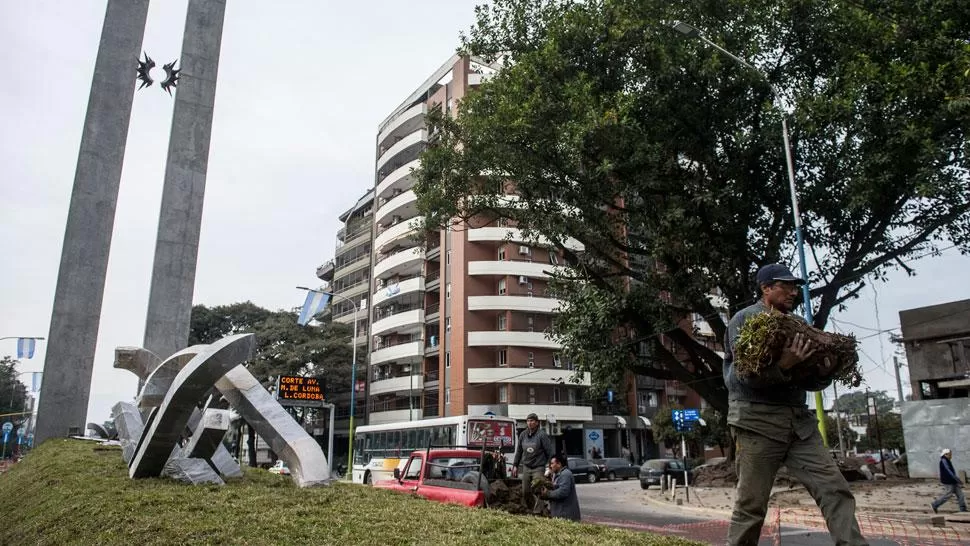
(563, 501)
(531, 455)
(772, 425)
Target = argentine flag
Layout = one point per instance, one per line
(315, 303)
(25, 347)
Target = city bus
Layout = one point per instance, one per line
(379, 449)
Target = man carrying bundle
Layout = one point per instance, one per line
(771, 424)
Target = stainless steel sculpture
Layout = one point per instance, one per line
(170, 396)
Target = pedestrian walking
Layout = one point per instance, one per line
(531, 456)
(772, 426)
(952, 486)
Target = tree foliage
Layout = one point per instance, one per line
(282, 345)
(890, 430)
(664, 159)
(854, 403)
(849, 436)
(13, 393)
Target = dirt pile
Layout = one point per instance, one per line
(506, 495)
(724, 474)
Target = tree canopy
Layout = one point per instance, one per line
(854, 403)
(664, 158)
(13, 393)
(282, 345)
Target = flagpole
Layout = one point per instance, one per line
(353, 377)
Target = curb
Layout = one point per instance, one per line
(699, 510)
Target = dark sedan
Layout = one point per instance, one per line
(653, 471)
(616, 467)
(582, 470)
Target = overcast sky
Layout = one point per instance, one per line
(302, 87)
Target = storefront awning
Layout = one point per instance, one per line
(646, 422)
(620, 421)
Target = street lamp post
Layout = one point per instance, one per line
(693, 32)
(353, 375)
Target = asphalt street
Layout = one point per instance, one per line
(623, 504)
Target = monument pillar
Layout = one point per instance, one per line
(177, 243)
(79, 292)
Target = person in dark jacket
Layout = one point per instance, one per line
(563, 501)
(772, 426)
(531, 455)
(952, 486)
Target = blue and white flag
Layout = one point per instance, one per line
(35, 381)
(393, 289)
(315, 303)
(25, 347)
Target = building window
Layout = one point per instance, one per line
(448, 291)
(532, 359)
(571, 393)
(447, 324)
(532, 395)
(531, 323)
(447, 359)
(652, 399)
(448, 257)
(503, 394)
(553, 257)
(501, 322)
(557, 360)
(447, 395)
(555, 395)
(501, 287)
(502, 357)
(501, 253)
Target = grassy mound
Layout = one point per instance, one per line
(77, 492)
(764, 336)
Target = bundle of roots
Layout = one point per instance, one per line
(763, 338)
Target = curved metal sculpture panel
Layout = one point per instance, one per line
(166, 426)
(301, 453)
(159, 381)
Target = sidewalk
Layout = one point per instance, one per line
(878, 503)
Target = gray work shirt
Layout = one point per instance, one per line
(770, 404)
(534, 450)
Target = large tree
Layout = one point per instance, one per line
(664, 158)
(855, 403)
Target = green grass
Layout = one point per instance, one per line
(77, 492)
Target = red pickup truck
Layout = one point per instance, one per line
(442, 475)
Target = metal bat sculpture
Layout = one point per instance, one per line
(144, 67)
(171, 76)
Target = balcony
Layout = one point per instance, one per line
(399, 179)
(401, 322)
(357, 239)
(433, 279)
(513, 303)
(535, 270)
(406, 122)
(393, 416)
(325, 272)
(407, 148)
(538, 340)
(432, 312)
(388, 291)
(675, 388)
(502, 234)
(535, 376)
(404, 351)
(354, 264)
(406, 261)
(433, 346)
(408, 383)
(403, 205)
(353, 290)
(407, 228)
(560, 412)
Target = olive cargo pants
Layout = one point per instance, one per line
(758, 460)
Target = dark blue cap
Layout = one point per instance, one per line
(776, 272)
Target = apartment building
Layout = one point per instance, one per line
(458, 321)
(348, 276)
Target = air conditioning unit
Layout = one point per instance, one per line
(523, 250)
(523, 279)
(395, 220)
(532, 364)
(641, 409)
(378, 340)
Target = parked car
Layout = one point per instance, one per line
(582, 469)
(653, 471)
(616, 467)
(280, 468)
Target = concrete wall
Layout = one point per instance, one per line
(925, 331)
(931, 425)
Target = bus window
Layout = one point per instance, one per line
(422, 441)
(412, 442)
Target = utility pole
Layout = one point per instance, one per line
(871, 405)
(838, 419)
(899, 383)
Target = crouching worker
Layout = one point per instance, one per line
(563, 502)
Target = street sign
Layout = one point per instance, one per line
(294, 390)
(609, 396)
(7, 427)
(684, 419)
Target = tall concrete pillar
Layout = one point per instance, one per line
(177, 244)
(76, 315)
